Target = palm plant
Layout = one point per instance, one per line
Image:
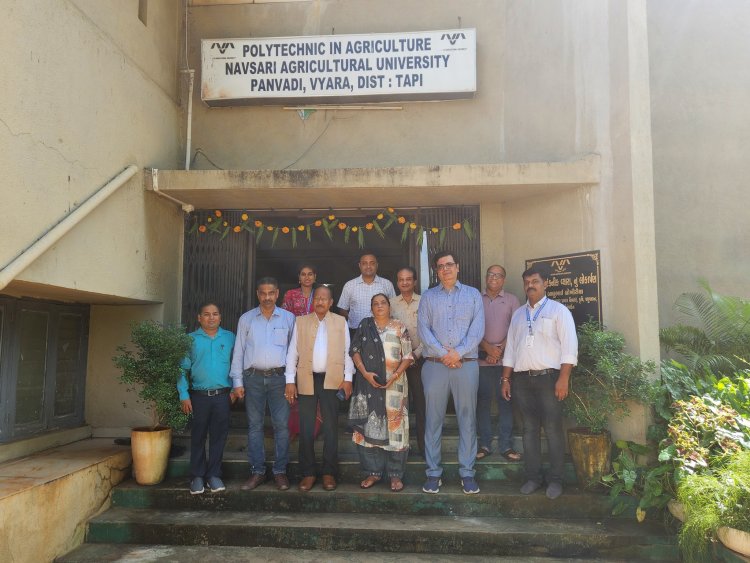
(718, 336)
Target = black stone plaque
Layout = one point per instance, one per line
(574, 282)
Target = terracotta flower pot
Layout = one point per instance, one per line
(676, 509)
(591, 453)
(150, 447)
(734, 539)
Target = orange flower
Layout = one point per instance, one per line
(301, 228)
(456, 226)
(226, 224)
(202, 228)
(285, 230)
(391, 210)
(244, 217)
(269, 228)
(210, 219)
(401, 220)
(237, 229)
(258, 223)
(379, 215)
(412, 226)
(331, 217)
(342, 226)
(434, 230)
(355, 229)
(318, 223)
(217, 213)
(368, 226)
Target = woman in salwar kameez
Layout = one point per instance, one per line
(378, 413)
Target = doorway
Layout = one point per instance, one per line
(222, 265)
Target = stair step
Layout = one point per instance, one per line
(96, 553)
(405, 533)
(238, 419)
(237, 442)
(496, 498)
(235, 466)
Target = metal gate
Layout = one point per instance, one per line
(467, 249)
(223, 269)
(217, 269)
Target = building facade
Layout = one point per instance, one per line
(610, 126)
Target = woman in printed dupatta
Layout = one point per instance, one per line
(379, 414)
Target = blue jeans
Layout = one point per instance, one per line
(260, 390)
(439, 383)
(535, 397)
(489, 387)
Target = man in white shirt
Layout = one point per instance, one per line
(354, 303)
(541, 350)
(318, 366)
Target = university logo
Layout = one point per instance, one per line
(222, 47)
(453, 37)
(560, 266)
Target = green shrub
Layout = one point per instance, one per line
(712, 500)
(605, 379)
(154, 367)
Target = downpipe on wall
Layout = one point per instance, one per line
(189, 127)
(52, 235)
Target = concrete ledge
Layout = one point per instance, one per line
(400, 186)
(30, 446)
(47, 498)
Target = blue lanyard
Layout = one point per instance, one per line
(529, 320)
(308, 305)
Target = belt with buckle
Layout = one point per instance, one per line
(265, 372)
(535, 372)
(211, 392)
(439, 361)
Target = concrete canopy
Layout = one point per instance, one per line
(408, 186)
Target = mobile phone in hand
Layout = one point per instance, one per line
(341, 395)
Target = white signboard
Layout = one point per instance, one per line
(425, 65)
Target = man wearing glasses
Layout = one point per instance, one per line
(450, 322)
(498, 309)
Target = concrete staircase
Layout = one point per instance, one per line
(166, 523)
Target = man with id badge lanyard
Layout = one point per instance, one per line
(541, 350)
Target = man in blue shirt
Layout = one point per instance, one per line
(450, 321)
(258, 365)
(208, 396)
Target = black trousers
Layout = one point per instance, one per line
(329, 410)
(416, 398)
(210, 419)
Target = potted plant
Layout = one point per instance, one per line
(152, 370)
(604, 381)
(717, 504)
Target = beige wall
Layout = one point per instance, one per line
(700, 79)
(556, 80)
(88, 89)
(110, 408)
(530, 68)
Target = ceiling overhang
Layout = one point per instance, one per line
(406, 186)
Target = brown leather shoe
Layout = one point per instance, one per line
(307, 483)
(282, 481)
(254, 480)
(329, 483)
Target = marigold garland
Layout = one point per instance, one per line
(387, 217)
